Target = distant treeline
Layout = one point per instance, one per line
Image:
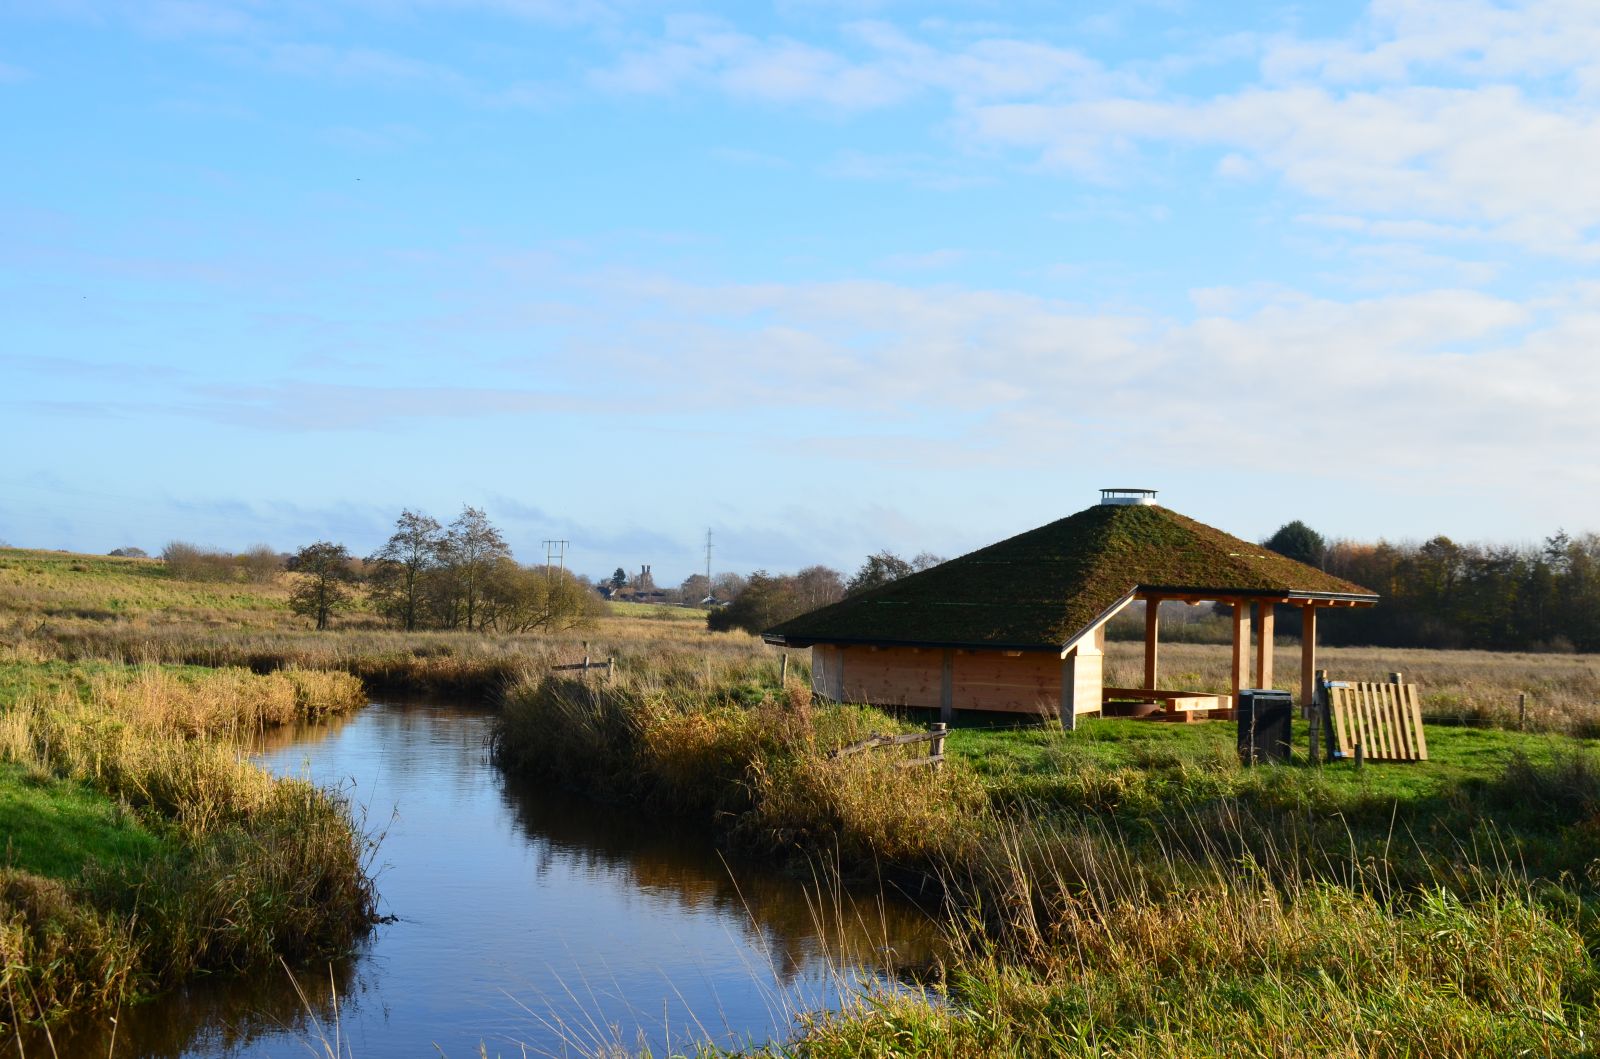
(1495, 597)
(427, 575)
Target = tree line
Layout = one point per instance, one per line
(1444, 594)
(763, 600)
(427, 575)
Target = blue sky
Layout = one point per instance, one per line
(826, 277)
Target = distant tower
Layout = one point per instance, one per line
(646, 582)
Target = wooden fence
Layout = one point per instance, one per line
(934, 737)
(585, 667)
(1372, 722)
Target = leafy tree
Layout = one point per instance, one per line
(472, 548)
(121, 553)
(766, 600)
(695, 588)
(400, 568)
(323, 576)
(1298, 541)
(879, 569)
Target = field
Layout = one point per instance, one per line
(1127, 888)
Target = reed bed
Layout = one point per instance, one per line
(722, 741)
(247, 869)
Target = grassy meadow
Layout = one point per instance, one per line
(1127, 888)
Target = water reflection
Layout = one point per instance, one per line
(526, 917)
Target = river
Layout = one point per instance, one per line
(525, 920)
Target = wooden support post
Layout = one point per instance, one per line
(1152, 634)
(947, 686)
(1264, 627)
(936, 748)
(783, 671)
(1321, 727)
(1069, 691)
(611, 668)
(1308, 659)
(1241, 647)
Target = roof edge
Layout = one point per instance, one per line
(1260, 593)
(779, 640)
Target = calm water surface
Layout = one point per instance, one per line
(526, 919)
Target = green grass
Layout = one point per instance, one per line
(57, 827)
(1038, 761)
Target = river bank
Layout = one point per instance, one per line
(1128, 886)
(141, 851)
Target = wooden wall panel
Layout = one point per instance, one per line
(991, 680)
(1027, 683)
(1090, 682)
(827, 672)
(893, 676)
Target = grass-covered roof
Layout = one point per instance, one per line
(1042, 588)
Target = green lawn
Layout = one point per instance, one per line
(55, 827)
(1134, 771)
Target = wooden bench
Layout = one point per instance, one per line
(1180, 704)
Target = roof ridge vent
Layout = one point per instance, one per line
(1123, 496)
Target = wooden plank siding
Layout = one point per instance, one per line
(1027, 682)
(893, 676)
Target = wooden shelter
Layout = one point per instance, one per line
(1019, 626)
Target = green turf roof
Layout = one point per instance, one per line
(1042, 588)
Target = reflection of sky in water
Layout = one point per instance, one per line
(526, 916)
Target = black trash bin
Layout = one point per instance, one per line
(1265, 719)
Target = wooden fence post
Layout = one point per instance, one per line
(611, 668)
(1522, 711)
(783, 671)
(936, 748)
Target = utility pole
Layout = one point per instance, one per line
(555, 549)
(708, 560)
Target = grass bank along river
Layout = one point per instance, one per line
(1128, 888)
(140, 850)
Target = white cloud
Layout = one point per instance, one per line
(1486, 156)
(880, 66)
(1438, 387)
